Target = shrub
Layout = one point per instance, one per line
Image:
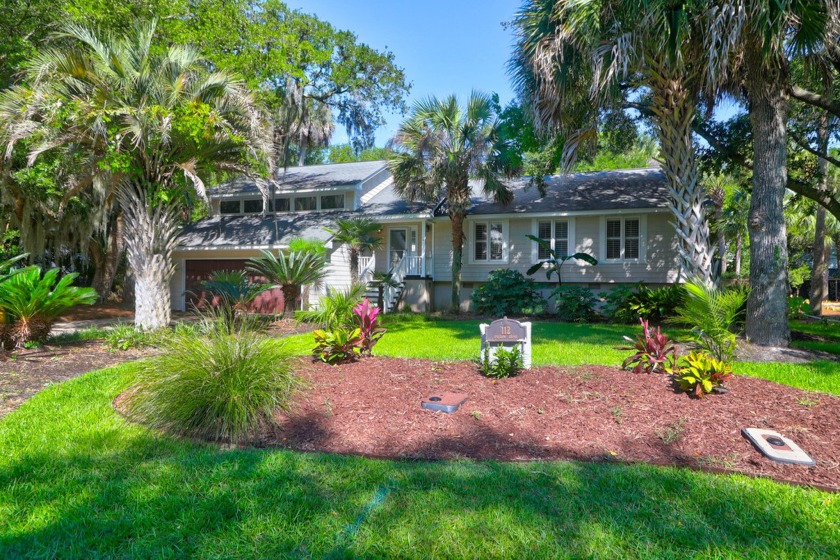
(575, 303)
(124, 336)
(31, 302)
(503, 364)
(215, 386)
(712, 315)
(231, 293)
(369, 331)
(625, 305)
(797, 307)
(699, 373)
(337, 346)
(655, 353)
(507, 292)
(334, 309)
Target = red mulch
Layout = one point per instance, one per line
(587, 413)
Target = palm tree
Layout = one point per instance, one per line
(159, 125)
(439, 148)
(359, 234)
(289, 273)
(574, 59)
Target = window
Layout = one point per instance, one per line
(303, 203)
(332, 202)
(229, 207)
(556, 235)
(489, 242)
(254, 206)
(623, 239)
(282, 204)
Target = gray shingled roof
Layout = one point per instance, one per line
(309, 177)
(601, 190)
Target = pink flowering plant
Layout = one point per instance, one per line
(369, 331)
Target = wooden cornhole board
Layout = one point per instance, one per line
(777, 447)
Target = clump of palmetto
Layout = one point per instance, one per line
(219, 384)
(30, 302)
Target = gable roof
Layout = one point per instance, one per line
(308, 177)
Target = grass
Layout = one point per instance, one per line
(89, 333)
(77, 481)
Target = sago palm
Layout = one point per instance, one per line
(360, 234)
(439, 148)
(289, 272)
(159, 125)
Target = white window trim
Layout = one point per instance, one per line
(470, 241)
(642, 238)
(535, 232)
(291, 199)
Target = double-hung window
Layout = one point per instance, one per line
(555, 233)
(623, 239)
(488, 241)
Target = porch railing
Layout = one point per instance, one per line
(366, 268)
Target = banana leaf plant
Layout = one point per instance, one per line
(555, 261)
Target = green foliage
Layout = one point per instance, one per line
(699, 373)
(555, 261)
(625, 305)
(338, 346)
(31, 302)
(655, 352)
(289, 272)
(231, 292)
(216, 386)
(125, 336)
(797, 307)
(507, 292)
(575, 303)
(798, 275)
(712, 314)
(335, 309)
(503, 363)
(303, 245)
(347, 153)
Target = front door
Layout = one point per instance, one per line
(397, 247)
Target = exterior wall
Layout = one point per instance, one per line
(658, 265)
(417, 296)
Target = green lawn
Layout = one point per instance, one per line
(76, 481)
(826, 330)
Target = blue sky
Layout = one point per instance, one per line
(444, 46)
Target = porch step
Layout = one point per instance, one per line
(372, 293)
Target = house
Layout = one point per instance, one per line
(619, 217)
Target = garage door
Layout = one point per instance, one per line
(270, 301)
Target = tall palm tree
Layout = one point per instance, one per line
(575, 58)
(439, 148)
(359, 234)
(289, 272)
(159, 125)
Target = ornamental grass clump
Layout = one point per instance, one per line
(217, 386)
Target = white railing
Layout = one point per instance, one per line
(413, 265)
(397, 275)
(366, 268)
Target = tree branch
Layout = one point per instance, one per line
(807, 147)
(815, 99)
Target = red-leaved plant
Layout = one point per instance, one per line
(369, 332)
(655, 353)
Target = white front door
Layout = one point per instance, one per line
(402, 243)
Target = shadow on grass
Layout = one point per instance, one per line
(78, 482)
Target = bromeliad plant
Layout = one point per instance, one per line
(699, 373)
(655, 352)
(369, 331)
(338, 346)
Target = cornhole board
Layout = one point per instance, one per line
(444, 402)
(777, 447)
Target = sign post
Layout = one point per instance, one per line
(507, 333)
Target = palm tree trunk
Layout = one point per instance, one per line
(721, 242)
(821, 251)
(739, 244)
(354, 265)
(457, 219)
(766, 322)
(150, 237)
(674, 109)
(108, 262)
(290, 295)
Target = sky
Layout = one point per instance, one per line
(444, 47)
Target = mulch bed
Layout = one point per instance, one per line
(25, 372)
(587, 413)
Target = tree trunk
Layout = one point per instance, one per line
(108, 262)
(290, 295)
(822, 251)
(302, 154)
(739, 245)
(150, 236)
(721, 243)
(674, 109)
(354, 265)
(457, 220)
(766, 322)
